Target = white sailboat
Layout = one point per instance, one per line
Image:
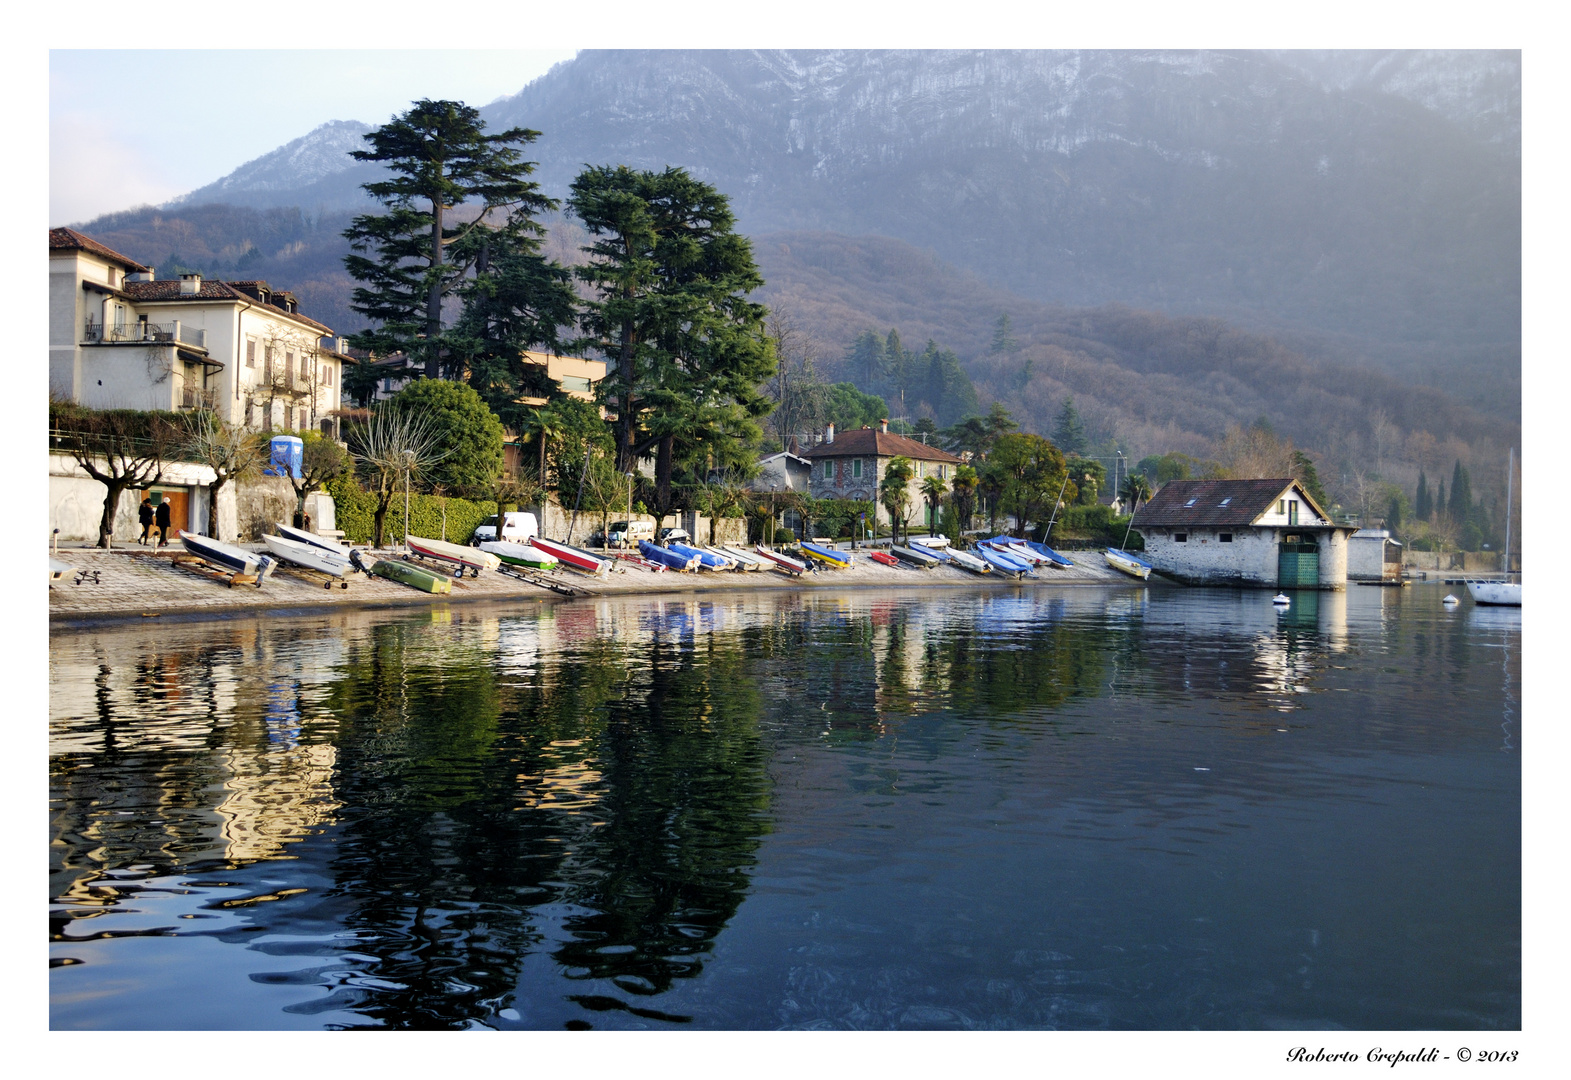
(1505, 593)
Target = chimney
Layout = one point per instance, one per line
(190, 284)
(341, 346)
(883, 425)
(829, 434)
(141, 275)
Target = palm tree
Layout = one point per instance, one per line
(542, 423)
(895, 493)
(963, 494)
(933, 491)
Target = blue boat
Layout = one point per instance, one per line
(1048, 553)
(708, 560)
(931, 553)
(1001, 562)
(666, 557)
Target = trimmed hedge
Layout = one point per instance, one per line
(355, 511)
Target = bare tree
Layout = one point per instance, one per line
(798, 392)
(389, 450)
(321, 460)
(120, 448)
(232, 452)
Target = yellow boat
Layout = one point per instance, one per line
(825, 555)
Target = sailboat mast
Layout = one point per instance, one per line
(1510, 469)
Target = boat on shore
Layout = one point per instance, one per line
(465, 558)
(967, 561)
(914, 558)
(1119, 559)
(740, 560)
(936, 554)
(310, 556)
(228, 556)
(1053, 558)
(782, 562)
(305, 536)
(576, 558)
(1002, 563)
(830, 558)
(1496, 593)
(416, 577)
(883, 557)
(707, 560)
(667, 559)
(515, 554)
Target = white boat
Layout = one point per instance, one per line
(783, 562)
(745, 561)
(58, 569)
(228, 556)
(970, 562)
(1120, 559)
(304, 536)
(469, 558)
(519, 554)
(1497, 593)
(309, 556)
(934, 543)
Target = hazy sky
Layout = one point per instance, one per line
(128, 127)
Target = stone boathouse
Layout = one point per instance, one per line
(1266, 533)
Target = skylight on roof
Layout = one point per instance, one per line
(1191, 502)
(1225, 501)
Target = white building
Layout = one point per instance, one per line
(1373, 556)
(1243, 532)
(120, 338)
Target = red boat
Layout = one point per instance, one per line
(571, 556)
(883, 557)
(783, 562)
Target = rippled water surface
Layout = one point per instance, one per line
(1083, 808)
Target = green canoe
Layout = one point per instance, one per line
(398, 570)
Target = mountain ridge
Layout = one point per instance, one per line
(1371, 194)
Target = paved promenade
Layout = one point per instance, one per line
(138, 582)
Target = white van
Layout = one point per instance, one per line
(517, 526)
(628, 533)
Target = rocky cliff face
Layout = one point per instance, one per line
(1372, 194)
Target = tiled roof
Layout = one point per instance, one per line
(866, 442)
(1245, 501)
(71, 240)
(163, 291)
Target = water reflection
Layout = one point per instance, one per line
(549, 816)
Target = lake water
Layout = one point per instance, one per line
(1047, 808)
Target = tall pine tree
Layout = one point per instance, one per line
(418, 252)
(1003, 336)
(867, 362)
(1068, 432)
(1422, 508)
(670, 311)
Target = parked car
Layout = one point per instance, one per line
(629, 533)
(679, 535)
(517, 526)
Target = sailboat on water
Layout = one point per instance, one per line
(1505, 593)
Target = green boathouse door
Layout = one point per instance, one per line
(1298, 562)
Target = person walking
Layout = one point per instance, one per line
(161, 517)
(144, 515)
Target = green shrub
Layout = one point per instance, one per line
(354, 508)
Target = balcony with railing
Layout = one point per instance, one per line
(141, 331)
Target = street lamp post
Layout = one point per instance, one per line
(409, 467)
(627, 534)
